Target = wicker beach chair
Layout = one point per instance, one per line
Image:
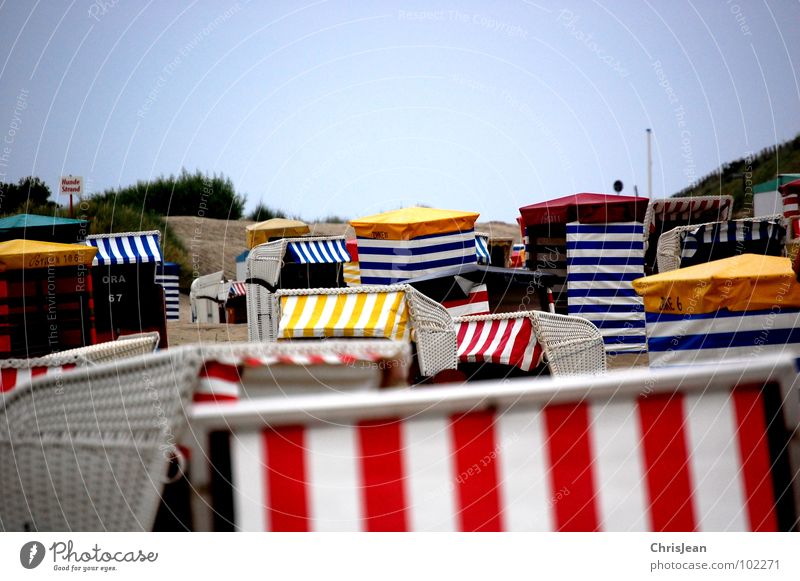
(520, 339)
(381, 311)
(88, 450)
(571, 345)
(670, 244)
(265, 261)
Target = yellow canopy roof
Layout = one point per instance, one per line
(748, 282)
(276, 228)
(21, 254)
(409, 223)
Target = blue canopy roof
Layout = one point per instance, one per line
(35, 221)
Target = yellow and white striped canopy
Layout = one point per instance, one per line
(352, 274)
(374, 314)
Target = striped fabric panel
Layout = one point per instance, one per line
(477, 303)
(722, 232)
(126, 249)
(602, 261)
(237, 289)
(508, 342)
(11, 378)
(684, 339)
(352, 274)
(660, 463)
(319, 251)
(791, 208)
(379, 314)
(482, 249)
(172, 294)
(391, 261)
(675, 210)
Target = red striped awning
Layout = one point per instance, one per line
(688, 209)
(508, 341)
(238, 289)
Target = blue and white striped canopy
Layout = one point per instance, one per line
(126, 248)
(738, 232)
(482, 249)
(319, 251)
(393, 261)
(602, 262)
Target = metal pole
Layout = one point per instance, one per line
(649, 165)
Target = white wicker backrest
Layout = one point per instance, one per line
(125, 346)
(87, 450)
(571, 345)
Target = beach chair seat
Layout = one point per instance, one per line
(571, 345)
(396, 312)
(88, 450)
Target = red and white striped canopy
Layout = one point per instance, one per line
(508, 341)
(688, 209)
(238, 289)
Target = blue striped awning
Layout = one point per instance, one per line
(319, 251)
(126, 248)
(393, 261)
(738, 232)
(482, 249)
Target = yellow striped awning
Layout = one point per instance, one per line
(370, 314)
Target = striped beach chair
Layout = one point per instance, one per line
(690, 245)
(396, 246)
(396, 312)
(570, 345)
(602, 262)
(665, 214)
(266, 262)
(128, 299)
(703, 449)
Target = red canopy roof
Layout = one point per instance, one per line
(586, 209)
(790, 188)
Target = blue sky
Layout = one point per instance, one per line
(352, 108)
